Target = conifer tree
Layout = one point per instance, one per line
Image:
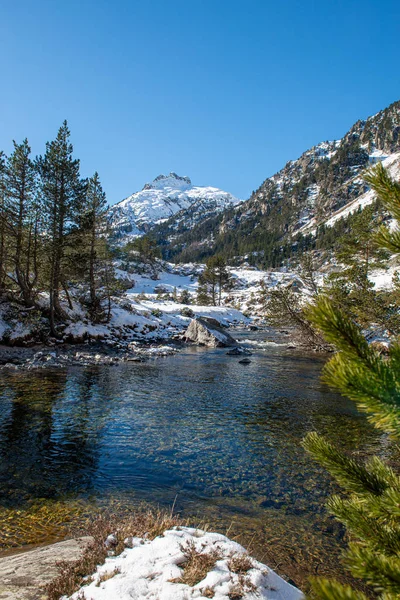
(215, 277)
(3, 222)
(203, 298)
(22, 220)
(63, 193)
(185, 297)
(370, 507)
(358, 253)
(92, 228)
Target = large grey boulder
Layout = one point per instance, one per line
(23, 575)
(205, 331)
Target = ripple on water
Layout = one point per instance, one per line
(223, 438)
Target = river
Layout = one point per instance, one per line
(219, 440)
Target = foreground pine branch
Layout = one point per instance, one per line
(371, 507)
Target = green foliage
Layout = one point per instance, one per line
(283, 305)
(389, 193)
(215, 278)
(52, 232)
(185, 297)
(370, 509)
(146, 247)
(358, 370)
(203, 297)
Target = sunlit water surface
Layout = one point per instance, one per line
(220, 439)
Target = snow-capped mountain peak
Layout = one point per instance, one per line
(172, 180)
(163, 198)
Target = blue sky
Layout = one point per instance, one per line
(224, 91)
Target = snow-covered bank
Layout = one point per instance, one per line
(154, 570)
(82, 355)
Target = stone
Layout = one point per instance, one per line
(239, 352)
(205, 331)
(23, 575)
(111, 541)
(133, 542)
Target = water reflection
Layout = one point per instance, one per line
(223, 437)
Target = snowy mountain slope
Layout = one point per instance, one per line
(304, 194)
(163, 198)
(391, 163)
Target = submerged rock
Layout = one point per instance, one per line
(205, 331)
(239, 352)
(245, 361)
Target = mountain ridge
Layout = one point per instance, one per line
(308, 190)
(160, 200)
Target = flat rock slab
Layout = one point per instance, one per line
(23, 575)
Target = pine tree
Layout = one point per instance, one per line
(216, 277)
(203, 298)
(3, 223)
(358, 253)
(92, 228)
(63, 194)
(370, 507)
(185, 297)
(22, 220)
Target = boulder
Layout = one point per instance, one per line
(23, 575)
(205, 331)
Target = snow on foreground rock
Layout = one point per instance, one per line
(151, 570)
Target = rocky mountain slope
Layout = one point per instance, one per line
(307, 193)
(167, 197)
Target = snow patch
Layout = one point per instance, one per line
(148, 570)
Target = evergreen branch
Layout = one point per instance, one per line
(376, 393)
(390, 504)
(375, 534)
(390, 240)
(325, 589)
(379, 571)
(339, 330)
(386, 189)
(352, 475)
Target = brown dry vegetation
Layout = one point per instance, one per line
(240, 563)
(106, 576)
(242, 587)
(145, 522)
(197, 564)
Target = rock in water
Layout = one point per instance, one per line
(205, 331)
(238, 352)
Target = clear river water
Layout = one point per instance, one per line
(218, 439)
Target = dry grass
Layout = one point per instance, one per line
(197, 564)
(145, 522)
(109, 575)
(241, 588)
(240, 563)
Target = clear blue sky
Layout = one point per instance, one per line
(224, 91)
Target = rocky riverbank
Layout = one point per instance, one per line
(64, 355)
